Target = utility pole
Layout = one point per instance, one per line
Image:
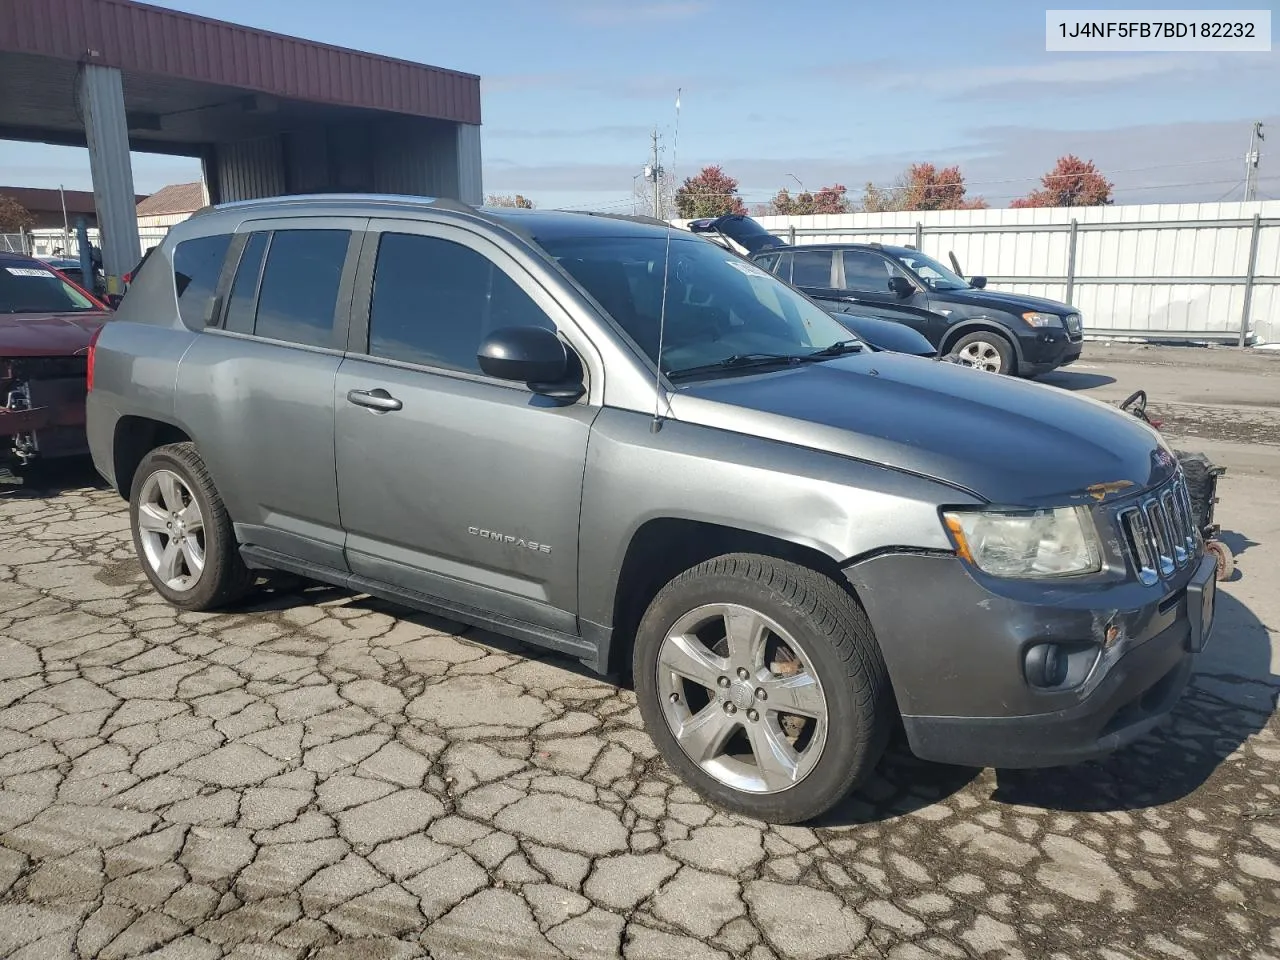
(653, 173)
(1251, 162)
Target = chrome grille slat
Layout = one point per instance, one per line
(1159, 531)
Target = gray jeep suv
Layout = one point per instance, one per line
(617, 441)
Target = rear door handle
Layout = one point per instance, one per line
(377, 399)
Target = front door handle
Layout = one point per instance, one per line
(377, 399)
(850, 299)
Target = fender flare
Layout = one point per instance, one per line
(974, 324)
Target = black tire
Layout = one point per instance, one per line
(1197, 470)
(999, 342)
(836, 637)
(225, 579)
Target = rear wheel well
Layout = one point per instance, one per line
(135, 438)
(664, 548)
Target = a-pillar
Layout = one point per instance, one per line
(102, 100)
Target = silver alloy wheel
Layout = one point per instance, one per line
(982, 354)
(171, 530)
(741, 698)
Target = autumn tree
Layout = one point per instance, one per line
(711, 193)
(785, 205)
(1071, 183)
(832, 199)
(506, 200)
(666, 187)
(885, 199)
(928, 188)
(14, 217)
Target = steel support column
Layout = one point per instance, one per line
(470, 183)
(102, 103)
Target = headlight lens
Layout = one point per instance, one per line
(1026, 545)
(1037, 319)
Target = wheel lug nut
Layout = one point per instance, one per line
(730, 709)
(752, 716)
(761, 694)
(723, 681)
(742, 673)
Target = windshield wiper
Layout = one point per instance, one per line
(837, 349)
(737, 362)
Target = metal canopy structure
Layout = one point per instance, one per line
(267, 114)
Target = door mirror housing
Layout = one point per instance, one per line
(901, 286)
(977, 283)
(530, 355)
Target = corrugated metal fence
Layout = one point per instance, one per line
(1175, 272)
(50, 243)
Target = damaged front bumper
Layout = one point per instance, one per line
(42, 407)
(967, 663)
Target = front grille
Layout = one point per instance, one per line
(1160, 533)
(1075, 326)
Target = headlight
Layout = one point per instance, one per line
(1030, 544)
(1036, 319)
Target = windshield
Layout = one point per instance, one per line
(718, 305)
(33, 289)
(931, 271)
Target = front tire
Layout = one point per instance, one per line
(181, 531)
(985, 350)
(763, 686)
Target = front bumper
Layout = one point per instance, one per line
(49, 420)
(1047, 350)
(955, 650)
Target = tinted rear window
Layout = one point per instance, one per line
(811, 268)
(300, 286)
(196, 266)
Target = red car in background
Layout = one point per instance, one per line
(46, 325)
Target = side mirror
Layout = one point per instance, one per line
(531, 355)
(901, 286)
(977, 282)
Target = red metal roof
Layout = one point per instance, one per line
(175, 198)
(137, 37)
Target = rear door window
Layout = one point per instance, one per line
(298, 294)
(197, 263)
(811, 268)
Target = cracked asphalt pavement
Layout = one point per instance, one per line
(321, 775)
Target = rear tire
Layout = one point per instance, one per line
(182, 534)
(985, 350)
(817, 654)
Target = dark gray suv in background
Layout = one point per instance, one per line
(618, 441)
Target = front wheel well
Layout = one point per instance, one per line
(664, 548)
(136, 437)
(987, 326)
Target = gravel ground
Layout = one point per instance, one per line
(322, 775)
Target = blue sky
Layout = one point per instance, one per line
(829, 91)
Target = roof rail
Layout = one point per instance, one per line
(633, 217)
(441, 203)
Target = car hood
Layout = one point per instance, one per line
(1006, 441)
(1009, 302)
(47, 334)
